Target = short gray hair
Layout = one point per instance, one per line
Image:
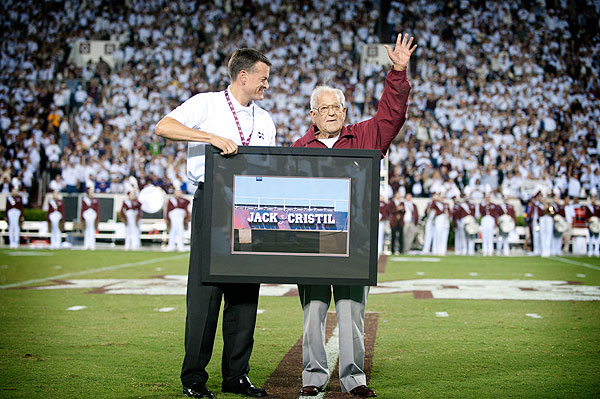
(322, 89)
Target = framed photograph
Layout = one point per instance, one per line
(291, 215)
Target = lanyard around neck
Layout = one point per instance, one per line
(237, 121)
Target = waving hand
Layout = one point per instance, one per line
(402, 52)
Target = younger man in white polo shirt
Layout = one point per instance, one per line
(224, 119)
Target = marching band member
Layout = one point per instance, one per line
(546, 226)
(14, 216)
(441, 226)
(592, 214)
(131, 215)
(429, 217)
(55, 219)
(460, 239)
(383, 215)
(460, 236)
(411, 220)
(534, 210)
(466, 218)
(488, 213)
(396, 219)
(559, 220)
(90, 215)
(177, 218)
(569, 209)
(502, 244)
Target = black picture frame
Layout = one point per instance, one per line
(273, 255)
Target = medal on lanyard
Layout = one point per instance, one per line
(237, 122)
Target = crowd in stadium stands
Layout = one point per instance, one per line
(503, 92)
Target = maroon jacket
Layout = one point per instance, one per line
(13, 202)
(489, 209)
(460, 212)
(510, 211)
(440, 207)
(560, 209)
(53, 206)
(378, 132)
(178, 203)
(591, 210)
(93, 204)
(396, 214)
(133, 204)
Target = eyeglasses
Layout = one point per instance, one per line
(324, 109)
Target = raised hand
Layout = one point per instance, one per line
(402, 52)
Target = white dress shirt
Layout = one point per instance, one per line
(210, 112)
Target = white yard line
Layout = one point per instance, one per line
(574, 262)
(332, 352)
(91, 271)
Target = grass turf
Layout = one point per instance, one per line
(121, 347)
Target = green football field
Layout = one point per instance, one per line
(110, 324)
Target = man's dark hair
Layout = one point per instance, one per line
(245, 59)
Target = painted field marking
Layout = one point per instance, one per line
(442, 314)
(420, 273)
(28, 253)
(164, 310)
(332, 352)
(580, 275)
(574, 262)
(91, 271)
(528, 275)
(401, 259)
(471, 288)
(533, 315)
(77, 307)
(473, 274)
(260, 311)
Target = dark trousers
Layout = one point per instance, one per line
(397, 239)
(203, 305)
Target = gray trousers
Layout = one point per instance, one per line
(408, 235)
(350, 304)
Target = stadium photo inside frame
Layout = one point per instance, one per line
(270, 213)
(291, 215)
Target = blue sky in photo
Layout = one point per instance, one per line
(292, 191)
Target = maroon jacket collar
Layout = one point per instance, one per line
(310, 136)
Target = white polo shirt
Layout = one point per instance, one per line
(210, 112)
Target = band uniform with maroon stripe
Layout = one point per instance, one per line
(55, 219)
(90, 217)
(14, 216)
(429, 216)
(131, 215)
(557, 237)
(460, 239)
(441, 225)
(502, 244)
(593, 239)
(489, 214)
(177, 218)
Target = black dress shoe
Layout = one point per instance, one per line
(197, 390)
(310, 390)
(243, 386)
(363, 391)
